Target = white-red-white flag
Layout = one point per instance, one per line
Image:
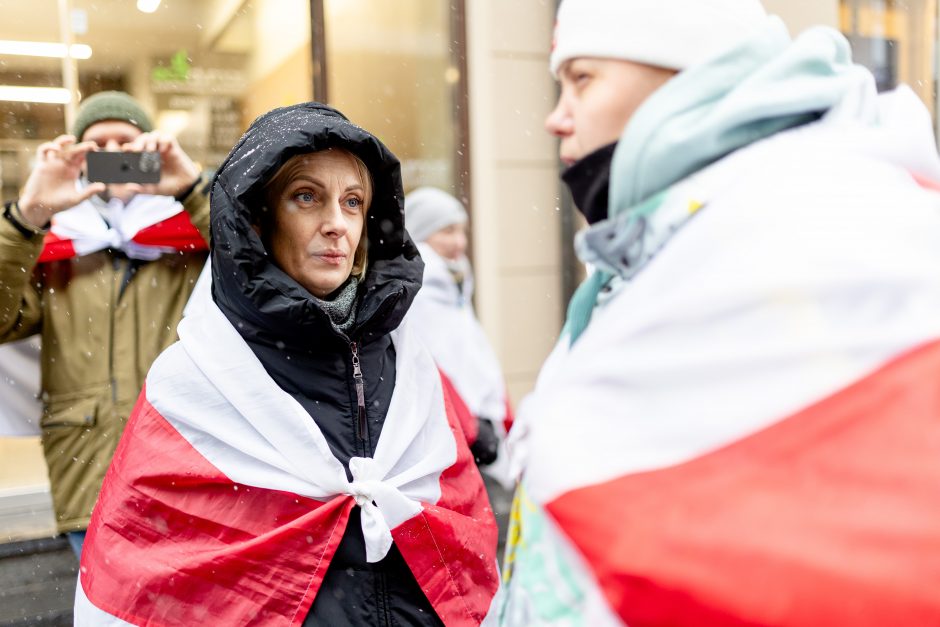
(145, 228)
(224, 505)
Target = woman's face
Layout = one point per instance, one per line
(319, 211)
(449, 242)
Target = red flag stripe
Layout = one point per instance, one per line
(55, 248)
(177, 232)
(510, 416)
(458, 576)
(159, 488)
(827, 517)
(926, 183)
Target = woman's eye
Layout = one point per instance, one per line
(355, 203)
(306, 197)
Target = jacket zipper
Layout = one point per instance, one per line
(360, 391)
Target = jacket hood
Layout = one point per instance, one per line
(260, 298)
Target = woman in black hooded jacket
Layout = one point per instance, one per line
(313, 271)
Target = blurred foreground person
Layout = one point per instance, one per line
(294, 458)
(102, 274)
(444, 318)
(739, 425)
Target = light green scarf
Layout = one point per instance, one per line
(759, 88)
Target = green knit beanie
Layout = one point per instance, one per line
(110, 105)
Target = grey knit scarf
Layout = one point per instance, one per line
(342, 308)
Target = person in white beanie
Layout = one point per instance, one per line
(443, 316)
(739, 422)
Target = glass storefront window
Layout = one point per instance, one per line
(206, 68)
(897, 41)
(203, 68)
(390, 67)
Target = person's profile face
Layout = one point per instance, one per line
(597, 99)
(319, 207)
(449, 242)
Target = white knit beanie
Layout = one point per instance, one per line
(674, 34)
(428, 210)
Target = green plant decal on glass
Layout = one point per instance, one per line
(178, 70)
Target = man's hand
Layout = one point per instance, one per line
(52, 185)
(177, 170)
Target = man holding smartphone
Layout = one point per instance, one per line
(102, 273)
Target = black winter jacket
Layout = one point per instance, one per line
(298, 346)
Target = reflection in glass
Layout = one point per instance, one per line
(390, 68)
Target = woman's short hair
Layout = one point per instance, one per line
(275, 187)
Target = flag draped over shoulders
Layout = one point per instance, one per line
(757, 437)
(224, 504)
(145, 228)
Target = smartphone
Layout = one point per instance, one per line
(123, 167)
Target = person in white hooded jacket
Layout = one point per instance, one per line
(443, 313)
(738, 425)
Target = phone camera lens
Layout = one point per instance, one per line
(149, 162)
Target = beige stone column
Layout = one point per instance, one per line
(517, 256)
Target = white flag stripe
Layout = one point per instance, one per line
(87, 614)
(84, 224)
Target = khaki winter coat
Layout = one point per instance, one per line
(97, 345)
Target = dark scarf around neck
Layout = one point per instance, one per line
(589, 181)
